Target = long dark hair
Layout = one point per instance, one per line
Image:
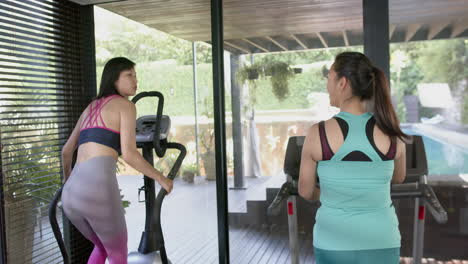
(369, 83)
(111, 73)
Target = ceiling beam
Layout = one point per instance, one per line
(411, 30)
(255, 45)
(324, 43)
(303, 45)
(276, 43)
(244, 50)
(459, 27)
(435, 29)
(390, 31)
(345, 38)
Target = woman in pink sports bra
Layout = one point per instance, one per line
(106, 129)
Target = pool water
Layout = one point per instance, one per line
(444, 158)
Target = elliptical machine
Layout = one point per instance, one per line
(414, 187)
(151, 133)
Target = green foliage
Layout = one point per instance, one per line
(299, 88)
(410, 79)
(428, 61)
(444, 61)
(192, 168)
(305, 57)
(165, 164)
(280, 73)
(249, 72)
(125, 203)
(465, 110)
(434, 61)
(119, 36)
(175, 82)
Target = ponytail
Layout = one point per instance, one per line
(385, 115)
(369, 83)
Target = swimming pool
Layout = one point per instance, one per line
(443, 158)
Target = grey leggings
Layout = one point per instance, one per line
(91, 201)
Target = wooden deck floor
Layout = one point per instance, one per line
(190, 224)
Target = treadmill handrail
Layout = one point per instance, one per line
(433, 205)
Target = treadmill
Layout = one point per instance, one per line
(414, 187)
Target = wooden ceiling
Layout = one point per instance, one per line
(252, 26)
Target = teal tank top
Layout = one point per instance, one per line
(356, 211)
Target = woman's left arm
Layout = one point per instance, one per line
(308, 170)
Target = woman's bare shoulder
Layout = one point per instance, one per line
(401, 147)
(312, 141)
(123, 103)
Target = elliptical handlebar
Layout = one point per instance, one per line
(55, 226)
(160, 146)
(177, 164)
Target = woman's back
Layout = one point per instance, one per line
(355, 169)
(101, 114)
(355, 162)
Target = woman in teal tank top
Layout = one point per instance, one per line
(356, 154)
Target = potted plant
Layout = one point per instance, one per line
(297, 70)
(280, 73)
(249, 72)
(189, 171)
(208, 155)
(206, 139)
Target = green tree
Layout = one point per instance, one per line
(444, 61)
(141, 43)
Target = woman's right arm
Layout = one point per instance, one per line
(399, 172)
(130, 153)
